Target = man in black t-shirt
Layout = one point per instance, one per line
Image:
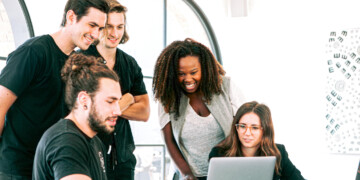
(31, 91)
(135, 101)
(70, 148)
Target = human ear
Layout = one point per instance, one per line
(70, 17)
(84, 100)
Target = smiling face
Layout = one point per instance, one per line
(88, 28)
(189, 73)
(114, 30)
(249, 131)
(105, 107)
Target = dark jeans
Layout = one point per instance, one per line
(4, 176)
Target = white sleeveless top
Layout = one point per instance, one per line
(198, 136)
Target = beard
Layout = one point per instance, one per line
(96, 124)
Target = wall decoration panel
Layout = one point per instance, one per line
(343, 92)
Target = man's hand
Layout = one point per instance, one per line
(125, 101)
(135, 108)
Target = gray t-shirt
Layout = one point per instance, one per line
(235, 98)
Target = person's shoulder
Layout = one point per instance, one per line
(120, 51)
(34, 49)
(216, 149)
(225, 84)
(63, 129)
(281, 148)
(226, 80)
(37, 44)
(89, 51)
(217, 152)
(125, 56)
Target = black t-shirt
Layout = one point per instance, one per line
(65, 150)
(131, 80)
(32, 73)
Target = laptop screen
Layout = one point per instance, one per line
(244, 168)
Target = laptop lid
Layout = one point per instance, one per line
(244, 168)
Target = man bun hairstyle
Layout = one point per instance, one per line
(82, 73)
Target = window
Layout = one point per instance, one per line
(6, 36)
(183, 23)
(149, 34)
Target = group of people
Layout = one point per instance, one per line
(45, 80)
(65, 114)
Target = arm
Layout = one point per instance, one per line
(7, 98)
(176, 154)
(76, 177)
(135, 108)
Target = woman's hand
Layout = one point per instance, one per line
(175, 153)
(189, 177)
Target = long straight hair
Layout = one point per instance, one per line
(231, 146)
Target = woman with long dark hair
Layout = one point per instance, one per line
(252, 134)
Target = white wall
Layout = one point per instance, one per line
(276, 55)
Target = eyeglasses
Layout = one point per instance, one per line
(253, 129)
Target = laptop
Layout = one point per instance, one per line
(242, 168)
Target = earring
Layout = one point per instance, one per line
(85, 107)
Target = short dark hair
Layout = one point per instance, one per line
(81, 8)
(82, 73)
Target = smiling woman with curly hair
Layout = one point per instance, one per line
(197, 103)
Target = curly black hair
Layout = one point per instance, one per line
(166, 87)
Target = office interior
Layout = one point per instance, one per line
(282, 53)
